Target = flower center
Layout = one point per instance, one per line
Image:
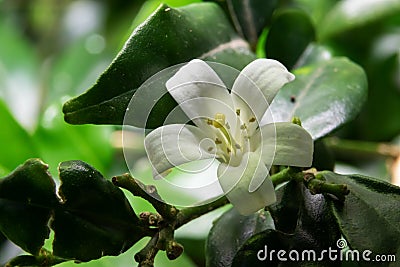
(230, 145)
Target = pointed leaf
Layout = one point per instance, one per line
(221, 247)
(168, 37)
(95, 218)
(324, 96)
(290, 34)
(369, 217)
(27, 196)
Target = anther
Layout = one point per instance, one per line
(252, 119)
(210, 149)
(219, 120)
(238, 112)
(243, 126)
(217, 141)
(237, 146)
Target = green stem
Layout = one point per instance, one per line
(285, 175)
(317, 185)
(186, 215)
(356, 149)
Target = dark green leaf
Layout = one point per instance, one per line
(286, 209)
(369, 218)
(315, 230)
(290, 33)
(44, 259)
(261, 245)
(229, 232)
(384, 88)
(350, 14)
(324, 96)
(170, 36)
(95, 218)
(323, 158)
(25, 197)
(250, 17)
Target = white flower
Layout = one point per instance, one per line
(227, 128)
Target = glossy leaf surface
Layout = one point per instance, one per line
(315, 229)
(168, 37)
(95, 219)
(229, 232)
(324, 96)
(25, 196)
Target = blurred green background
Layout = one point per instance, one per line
(52, 50)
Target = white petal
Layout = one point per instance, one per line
(200, 93)
(175, 144)
(259, 82)
(235, 182)
(292, 144)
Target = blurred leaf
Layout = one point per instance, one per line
(75, 68)
(369, 217)
(323, 158)
(314, 53)
(16, 144)
(25, 197)
(95, 218)
(324, 96)
(194, 248)
(315, 230)
(351, 14)
(168, 37)
(290, 33)
(229, 232)
(384, 87)
(316, 9)
(57, 141)
(19, 86)
(249, 17)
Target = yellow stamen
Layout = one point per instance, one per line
(252, 119)
(219, 120)
(238, 112)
